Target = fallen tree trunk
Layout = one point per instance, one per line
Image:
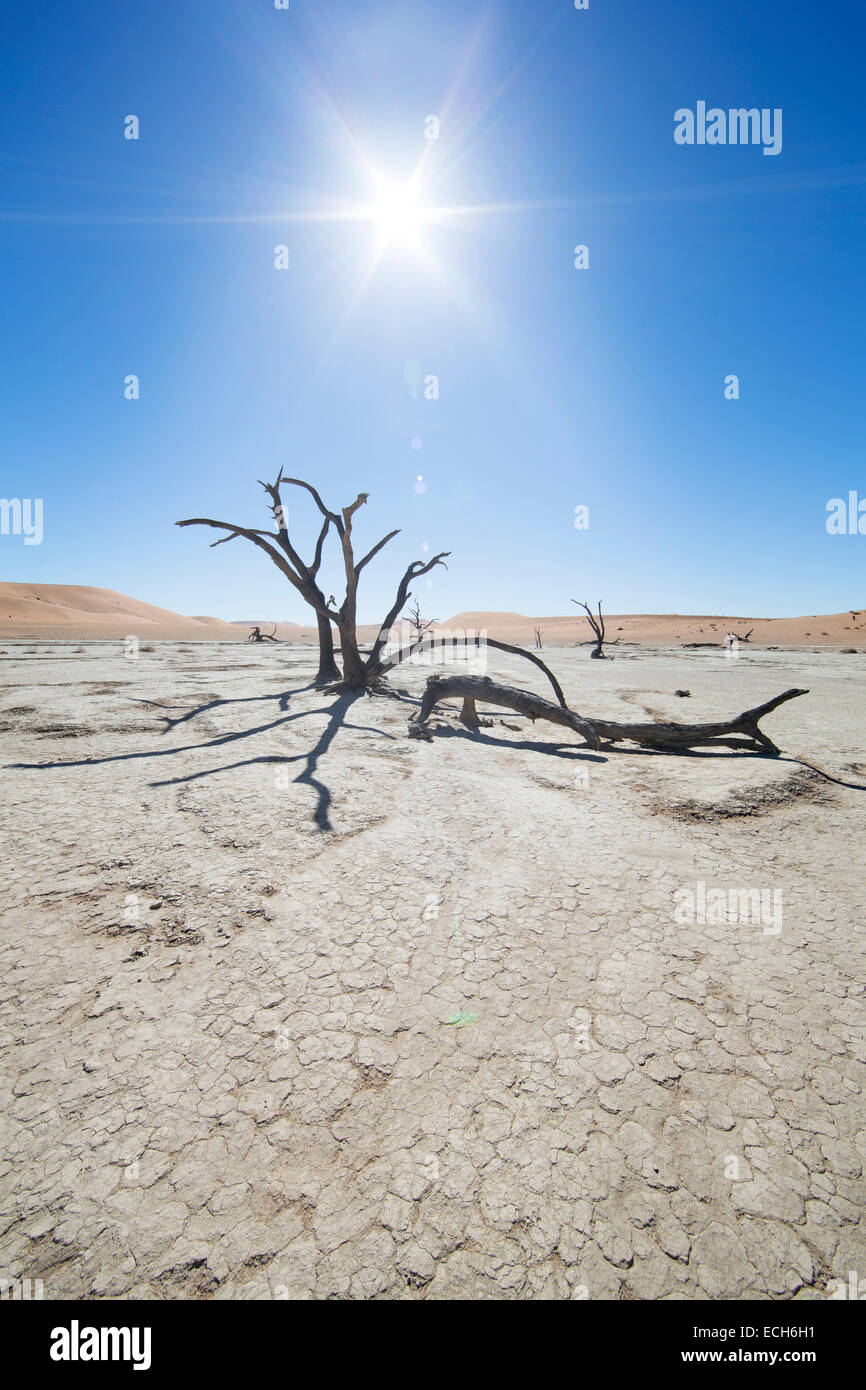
(474, 688)
(741, 732)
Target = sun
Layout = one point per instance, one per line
(398, 213)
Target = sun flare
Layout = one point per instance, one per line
(398, 213)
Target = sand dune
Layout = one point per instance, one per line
(75, 610)
(672, 629)
(55, 610)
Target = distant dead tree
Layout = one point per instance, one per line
(597, 625)
(418, 624)
(738, 637)
(258, 636)
(539, 644)
(358, 671)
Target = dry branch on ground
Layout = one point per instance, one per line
(741, 733)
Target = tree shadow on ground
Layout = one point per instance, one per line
(569, 751)
(336, 713)
(582, 753)
(336, 721)
(218, 700)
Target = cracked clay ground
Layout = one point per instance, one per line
(234, 933)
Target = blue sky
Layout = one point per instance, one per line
(557, 387)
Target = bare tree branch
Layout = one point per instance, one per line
(302, 577)
(273, 491)
(250, 535)
(317, 558)
(491, 642)
(332, 516)
(415, 570)
(234, 535)
(375, 551)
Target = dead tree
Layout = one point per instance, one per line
(357, 671)
(741, 733)
(539, 644)
(418, 624)
(738, 637)
(258, 636)
(597, 625)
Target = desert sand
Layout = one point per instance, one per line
(672, 629)
(295, 1005)
(77, 611)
